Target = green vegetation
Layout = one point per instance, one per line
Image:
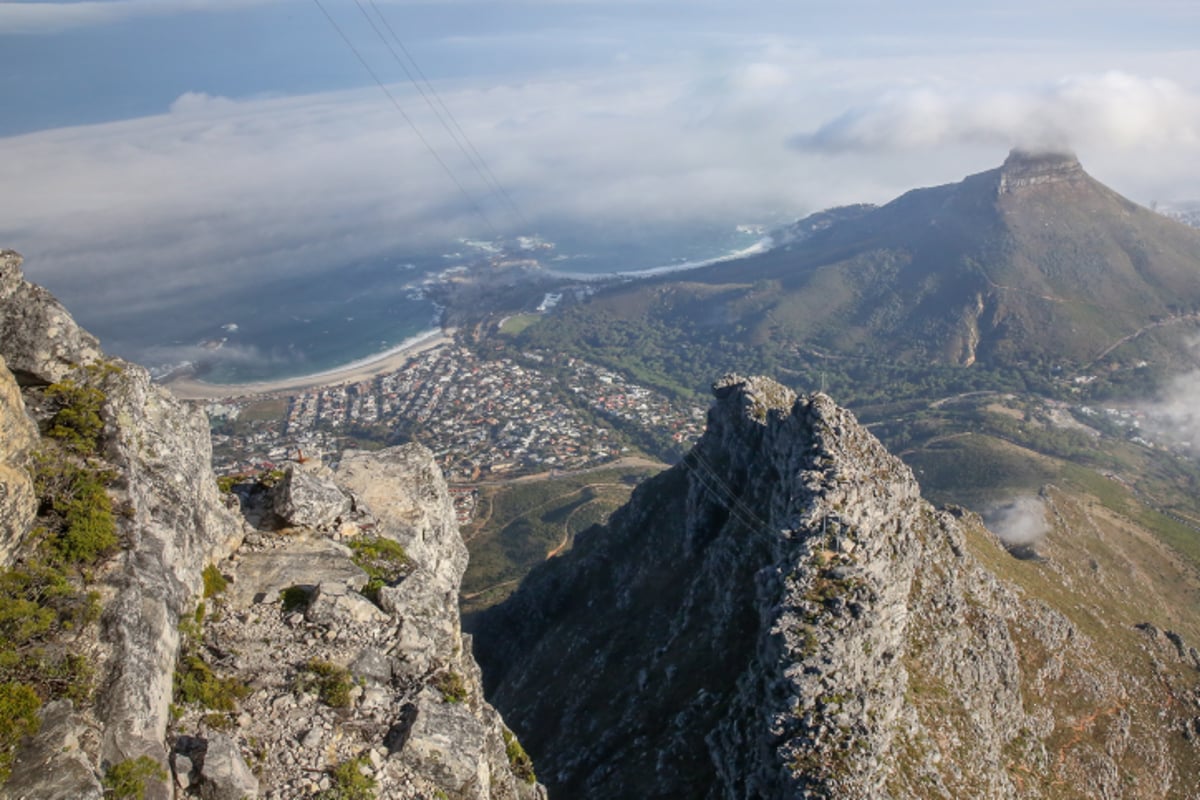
(349, 782)
(76, 423)
(127, 779)
(330, 682)
(18, 718)
(225, 483)
(44, 602)
(294, 598)
(75, 519)
(451, 685)
(517, 323)
(384, 561)
(195, 681)
(214, 581)
(518, 760)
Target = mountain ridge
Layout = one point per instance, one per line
(781, 615)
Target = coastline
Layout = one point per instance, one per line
(355, 372)
(763, 245)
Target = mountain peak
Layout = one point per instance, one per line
(1034, 167)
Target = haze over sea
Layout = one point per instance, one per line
(352, 311)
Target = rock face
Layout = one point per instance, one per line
(413, 712)
(781, 616)
(411, 709)
(18, 436)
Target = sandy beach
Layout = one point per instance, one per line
(192, 389)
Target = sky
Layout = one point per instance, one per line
(153, 151)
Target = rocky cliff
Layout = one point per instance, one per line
(781, 615)
(159, 636)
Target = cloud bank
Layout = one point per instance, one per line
(1112, 109)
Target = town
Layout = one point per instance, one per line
(483, 417)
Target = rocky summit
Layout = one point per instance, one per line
(296, 636)
(781, 615)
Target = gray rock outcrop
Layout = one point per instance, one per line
(40, 341)
(171, 518)
(410, 714)
(782, 616)
(18, 437)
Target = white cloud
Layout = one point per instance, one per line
(1109, 110)
(1020, 522)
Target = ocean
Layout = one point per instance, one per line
(356, 310)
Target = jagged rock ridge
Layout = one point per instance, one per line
(781, 615)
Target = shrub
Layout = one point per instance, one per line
(75, 510)
(19, 705)
(349, 782)
(195, 682)
(127, 779)
(331, 682)
(214, 581)
(294, 598)
(77, 422)
(38, 606)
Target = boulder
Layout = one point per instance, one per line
(225, 774)
(308, 497)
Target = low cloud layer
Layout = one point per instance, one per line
(1020, 523)
(215, 193)
(1113, 109)
(1175, 418)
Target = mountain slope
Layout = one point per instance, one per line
(781, 615)
(1034, 261)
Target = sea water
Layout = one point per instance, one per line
(352, 311)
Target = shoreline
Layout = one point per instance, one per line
(355, 372)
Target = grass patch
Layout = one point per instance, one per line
(19, 705)
(195, 682)
(385, 562)
(518, 524)
(294, 598)
(518, 323)
(330, 682)
(349, 782)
